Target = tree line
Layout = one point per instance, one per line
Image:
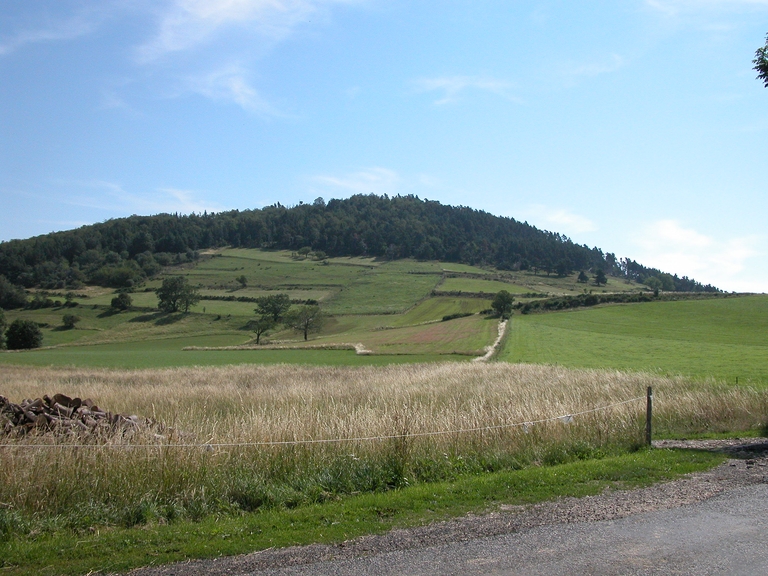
(122, 252)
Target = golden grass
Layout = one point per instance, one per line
(255, 404)
(260, 403)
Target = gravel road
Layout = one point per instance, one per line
(707, 523)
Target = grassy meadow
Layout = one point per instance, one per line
(399, 425)
(724, 338)
(385, 307)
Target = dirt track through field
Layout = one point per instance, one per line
(707, 523)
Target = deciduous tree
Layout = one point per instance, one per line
(305, 319)
(502, 303)
(176, 294)
(274, 305)
(261, 326)
(23, 335)
(761, 63)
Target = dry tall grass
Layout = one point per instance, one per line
(252, 404)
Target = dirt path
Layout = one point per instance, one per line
(531, 530)
(492, 348)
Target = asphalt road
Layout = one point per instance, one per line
(726, 534)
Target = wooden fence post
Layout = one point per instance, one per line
(648, 416)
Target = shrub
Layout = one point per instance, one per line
(69, 321)
(23, 335)
(122, 301)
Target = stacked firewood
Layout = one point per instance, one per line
(61, 414)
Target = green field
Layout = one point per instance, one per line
(394, 309)
(723, 338)
(480, 285)
(382, 305)
(170, 353)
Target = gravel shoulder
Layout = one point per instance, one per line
(747, 466)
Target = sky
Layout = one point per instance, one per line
(637, 126)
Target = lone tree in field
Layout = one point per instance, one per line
(122, 301)
(761, 63)
(23, 335)
(176, 294)
(583, 278)
(502, 304)
(261, 326)
(600, 277)
(242, 280)
(274, 306)
(305, 318)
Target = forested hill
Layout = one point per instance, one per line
(124, 251)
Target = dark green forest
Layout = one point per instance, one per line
(123, 252)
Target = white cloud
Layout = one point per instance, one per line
(612, 64)
(452, 87)
(113, 198)
(184, 201)
(188, 23)
(374, 180)
(65, 30)
(559, 220)
(231, 84)
(669, 246)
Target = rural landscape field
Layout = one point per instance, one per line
(404, 384)
(286, 278)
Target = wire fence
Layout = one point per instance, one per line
(564, 418)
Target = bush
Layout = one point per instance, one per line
(2, 329)
(69, 321)
(448, 317)
(23, 335)
(11, 296)
(122, 301)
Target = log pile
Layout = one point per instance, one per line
(62, 414)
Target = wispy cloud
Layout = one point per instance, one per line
(112, 197)
(452, 87)
(374, 180)
(613, 63)
(226, 37)
(559, 220)
(231, 83)
(186, 24)
(66, 30)
(677, 7)
(669, 245)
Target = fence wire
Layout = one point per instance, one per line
(564, 418)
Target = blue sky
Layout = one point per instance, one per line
(634, 125)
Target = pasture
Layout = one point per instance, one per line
(720, 338)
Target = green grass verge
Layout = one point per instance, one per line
(723, 338)
(123, 549)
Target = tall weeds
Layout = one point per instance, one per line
(179, 471)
